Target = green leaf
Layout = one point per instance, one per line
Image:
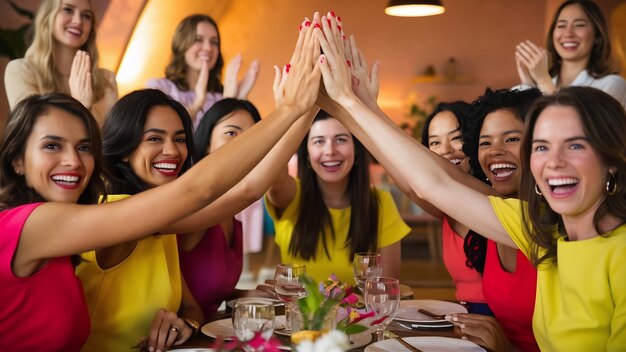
(355, 329)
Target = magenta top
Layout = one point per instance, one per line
(511, 297)
(185, 97)
(45, 311)
(212, 269)
(468, 281)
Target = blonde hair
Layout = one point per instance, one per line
(39, 54)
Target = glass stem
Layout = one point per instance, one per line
(380, 332)
(288, 316)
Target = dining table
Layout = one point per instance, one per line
(203, 341)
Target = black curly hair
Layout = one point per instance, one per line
(517, 101)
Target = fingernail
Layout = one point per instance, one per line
(331, 13)
(349, 63)
(463, 337)
(343, 36)
(317, 25)
(338, 18)
(287, 68)
(322, 59)
(462, 326)
(151, 349)
(307, 23)
(339, 28)
(329, 23)
(300, 28)
(448, 317)
(455, 318)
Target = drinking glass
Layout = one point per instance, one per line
(289, 287)
(366, 265)
(382, 295)
(252, 316)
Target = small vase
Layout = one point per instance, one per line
(302, 330)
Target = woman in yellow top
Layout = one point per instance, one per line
(572, 226)
(331, 212)
(63, 58)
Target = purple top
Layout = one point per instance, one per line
(45, 311)
(185, 97)
(213, 267)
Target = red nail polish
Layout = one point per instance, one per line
(307, 23)
(339, 27)
(287, 67)
(343, 37)
(317, 25)
(300, 28)
(329, 23)
(349, 63)
(338, 18)
(332, 13)
(322, 59)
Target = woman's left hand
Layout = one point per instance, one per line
(483, 330)
(239, 89)
(80, 79)
(167, 330)
(535, 59)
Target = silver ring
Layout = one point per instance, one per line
(175, 329)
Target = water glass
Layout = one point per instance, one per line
(252, 316)
(366, 265)
(382, 295)
(289, 287)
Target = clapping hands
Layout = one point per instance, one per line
(532, 64)
(239, 89)
(80, 79)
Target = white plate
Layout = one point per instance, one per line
(426, 343)
(408, 310)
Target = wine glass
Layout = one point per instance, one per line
(382, 295)
(252, 316)
(289, 287)
(366, 265)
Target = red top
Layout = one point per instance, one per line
(468, 281)
(511, 297)
(42, 312)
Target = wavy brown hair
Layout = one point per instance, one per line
(600, 63)
(39, 54)
(13, 188)
(184, 37)
(314, 217)
(604, 123)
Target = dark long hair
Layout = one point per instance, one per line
(13, 188)
(214, 115)
(314, 217)
(475, 245)
(600, 63)
(459, 108)
(184, 37)
(123, 131)
(604, 122)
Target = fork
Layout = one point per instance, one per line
(407, 345)
(431, 314)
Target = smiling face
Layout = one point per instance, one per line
(568, 171)
(229, 127)
(331, 151)
(73, 23)
(573, 35)
(444, 138)
(58, 160)
(162, 151)
(205, 47)
(499, 150)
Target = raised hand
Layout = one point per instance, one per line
(200, 90)
(364, 83)
(303, 71)
(80, 79)
(239, 89)
(535, 60)
(248, 80)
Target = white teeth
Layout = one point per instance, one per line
(331, 163)
(494, 167)
(456, 161)
(569, 45)
(562, 181)
(65, 178)
(168, 166)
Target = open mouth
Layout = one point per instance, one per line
(66, 181)
(75, 31)
(502, 171)
(456, 161)
(569, 45)
(331, 165)
(559, 186)
(168, 169)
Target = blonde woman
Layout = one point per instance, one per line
(63, 58)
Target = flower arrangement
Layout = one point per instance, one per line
(326, 296)
(258, 343)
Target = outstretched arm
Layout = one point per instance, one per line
(395, 149)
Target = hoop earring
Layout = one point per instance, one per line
(537, 190)
(611, 189)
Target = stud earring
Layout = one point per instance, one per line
(537, 190)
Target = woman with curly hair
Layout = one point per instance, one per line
(63, 58)
(194, 75)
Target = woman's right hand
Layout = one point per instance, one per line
(534, 60)
(201, 88)
(364, 83)
(80, 79)
(483, 330)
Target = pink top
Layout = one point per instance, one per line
(185, 97)
(212, 269)
(468, 281)
(511, 297)
(42, 312)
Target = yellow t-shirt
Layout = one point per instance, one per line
(391, 230)
(124, 299)
(581, 299)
